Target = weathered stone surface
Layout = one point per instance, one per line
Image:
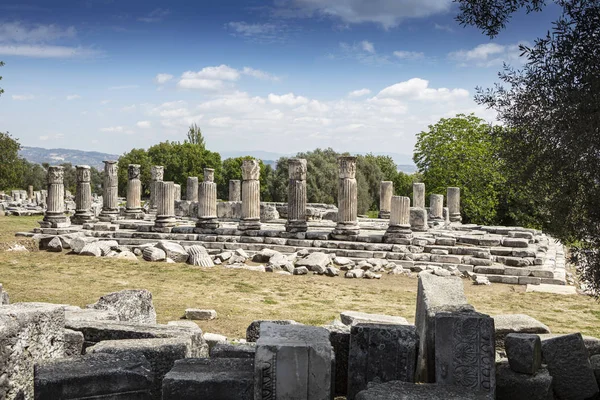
(130, 305)
(464, 350)
(98, 376)
(293, 362)
(316, 262)
(356, 317)
(524, 352)
(91, 315)
(381, 353)
(595, 363)
(54, 245)
(127, 255)
(173, 250)
(355, 273)
(434, 294)
(199, 256)
(280, 262)
(398, 390)
(511, 385)
(91, 249)
(200, 315)
(516, 323)
(591, 343)
(228, 350)
(300, 271)
(339, 336)
(253, 330)
(212, 378)
(568, 363)
(73, 343)
(154, 254)
(515, 242)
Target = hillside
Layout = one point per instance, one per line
(59, 156)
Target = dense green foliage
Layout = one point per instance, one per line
(232, 170)
(10, 168)
(194, 136)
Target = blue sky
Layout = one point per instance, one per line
(276, 75)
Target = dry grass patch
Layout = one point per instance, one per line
(241, 296)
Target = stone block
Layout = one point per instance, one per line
(464, 351)
(316, 262)
(131, 305)
(381, 353)
(517, 271)
(398, 390)
(253, 330)
(591, 343)
(228, 350)
(568, 363)
(339, 336)
(355, 317)
(515, 323)
(529, 280)
(595, 363)
(418, 219)
(443, 241)
(97, 376)
(515, 242)
(214, 379)
(509, 280)
(173, 250)
(450, 259)
(200, 315)
(73, 343)
(293, 362)
(524, 352)
(542, 272)
(511, 385)
(495, 270)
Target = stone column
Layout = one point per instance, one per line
(296, 206)
(347, 225)
(207, 202)
(453, 199)
(165, 206)
(191, 192)
(250, 196)
(419, 195)
(30, 193)
(110, 201)
(398, 230)
(386, 191)
(157, 173)
(436, 207)
(44, 198)
(133, 208)
(235, 190)
(177, 192)
(83, 196)
(55, 202)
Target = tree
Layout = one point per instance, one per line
(461, 152)
(194, 136)
(232, 170)
(135, 156)
(11, 166)
(551, 108)
(1, 90)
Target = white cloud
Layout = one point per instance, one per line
(73, 97)
(417, 88)
(363, 51)
(257, 73)
(144, 124)
(156, 15)
(446, 28)
(359, 93)
(218, 78)
(47, 51)
(128, 108)
(117, 129)
(367, 46)
(17, 32)
(221, 72)
(288, 99)
(163, 78)
(203, 84)
(55, 136)
(23, 97)
(409, 55)
(488, 55)
(258, 32)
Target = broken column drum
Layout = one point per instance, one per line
(296, 196)
(347, 223)
(133, 209)
(250, 196)
(83, 196)
(419, 195)
(165, 206)
(436, 206)
(30, 193)
(177, 192)
(191, 192)
(207, 201)
(399, 226)
(55, 213)
(453, 199)
(235, 190)
(110, 201)
(157, 173)
(386, 191)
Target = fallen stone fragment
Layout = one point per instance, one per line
(515, 323)
(127, 255)
(300, 271)
(228, 350)
(398, 390)
(511, 385)
(130, 305)
(356, 317)
(524, 352)
(331, 271)
(198, 256)
(200, 315)
(173, 250)
(55, 245)
(315, 262)
(253, 330)
(154, 254)
(91, 249)
(355, 273)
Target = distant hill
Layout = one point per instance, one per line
(59, 156)
(407, 168)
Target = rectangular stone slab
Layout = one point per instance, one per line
(398, 390)
(339, 336)
(227, 350)
(381, 353)
(464, 350)
(98, 376)
(293, 362)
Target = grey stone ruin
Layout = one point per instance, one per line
(347, 223)
(419, 195)
(250, 196)
(296, 208)
(436, 208)
(398, 230)
(83, 197)
(30, 193)
(54, 216)
(235, 190)
(453, 200)
(165, 206)
(191, 190)
(157, 173)
(386, 191)
(293, 362)
(133, 208)
(177, 192)
(110, 201)
(207, 202)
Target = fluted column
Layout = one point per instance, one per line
(386, 191)
(207, 202)
(157, 173)
(177, 192)
(235, 190)
(30, 193)
(436, 207)
(133, 209)
(191, 190)
(54, 216)
(296, 206)
(399, 228)
(419, 195)
(83, 196)
(250, 196)
(110, 192)
(347, 225)
(165, 206)
(453, 199)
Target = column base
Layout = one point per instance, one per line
(346, 231)
(396, 232)
(108, 215)
(296, 226)
(249, 225)
(455, 218)
(207, 223)
(133, 213)
(80, 219)
(384, 215)
(55, 221)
